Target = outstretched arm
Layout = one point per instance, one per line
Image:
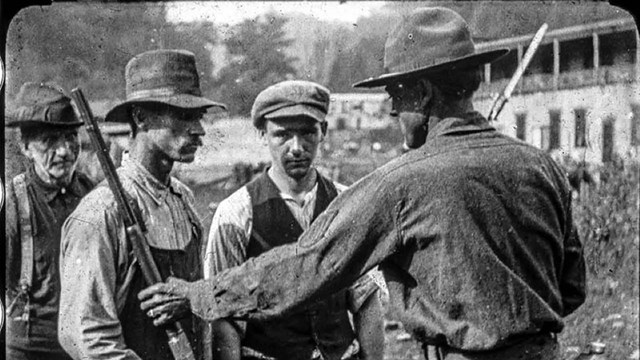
(354, 234)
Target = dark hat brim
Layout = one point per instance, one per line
(463, 62)
(14, 123)
(119, 112)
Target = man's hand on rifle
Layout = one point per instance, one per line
(166, 302)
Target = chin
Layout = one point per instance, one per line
(297, 174)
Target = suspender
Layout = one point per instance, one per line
(26, 232)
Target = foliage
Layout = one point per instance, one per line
(258, 59)
(607, 220)
(92, 43)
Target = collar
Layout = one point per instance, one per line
(148, 183)
(307, 197)
(472, 122)
(49, 192)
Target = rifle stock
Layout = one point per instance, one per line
(135, 230)
(502, 99)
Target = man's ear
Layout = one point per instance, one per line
(262, 133)
(24, 148)
(323, 128)
(138, 118)
(427, 92)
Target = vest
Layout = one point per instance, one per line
(323, 325)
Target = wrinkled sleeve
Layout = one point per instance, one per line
(228, 236)
(91, 255)
(355, 233)
(573, 282)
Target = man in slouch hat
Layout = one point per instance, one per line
(38, 202)
(472, 229)
(274, 209)
(100, 316)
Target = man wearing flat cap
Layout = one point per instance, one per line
(472, 229)
(38, 201)
(100, 315)
(273, 210)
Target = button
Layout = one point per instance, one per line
(63, 191)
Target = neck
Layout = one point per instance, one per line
(151, 158)
(291, 186)
(458, 108)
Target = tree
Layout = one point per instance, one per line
(89, 45)
(258, 59)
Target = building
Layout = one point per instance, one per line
(579, 97)
(357, 111)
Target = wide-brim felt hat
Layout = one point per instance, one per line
(168, 77)
(41, 104)
(430, 40)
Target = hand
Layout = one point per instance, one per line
(166, 302)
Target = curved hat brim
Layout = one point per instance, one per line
(466, 61)
(185, 101)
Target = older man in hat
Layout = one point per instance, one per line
(274, 209)
(100, 316)
(472, 229)
(38, 202)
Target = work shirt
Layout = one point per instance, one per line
(49, 207)
(324, 326)
(100, 317)
(473, 233)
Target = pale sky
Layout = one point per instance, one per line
(231, 12)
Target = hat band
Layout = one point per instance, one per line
(159, 92)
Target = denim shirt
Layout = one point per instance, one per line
(473, 232)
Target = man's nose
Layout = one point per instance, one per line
(296, 144)
(197, 129)
(394, 111)
(64, 148)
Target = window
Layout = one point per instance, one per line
(521, 126)
(581, 127)
(608, 138)
(544, 138)
(554, 129)
(635, 124)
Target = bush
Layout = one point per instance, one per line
(606, 216)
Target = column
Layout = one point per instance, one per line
(596, 56)
(487, 73)
(556, 63)
(520, 55)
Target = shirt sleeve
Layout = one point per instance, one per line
(228, 234)
(347, 240)
(92, 253)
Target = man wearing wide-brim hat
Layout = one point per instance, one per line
(100, 316)
(472, 229)
(38, 201)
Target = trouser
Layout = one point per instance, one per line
(17, 354)
(535, 347)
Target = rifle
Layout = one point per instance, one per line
(134, 225)
(501, 100)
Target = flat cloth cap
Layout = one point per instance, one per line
(40, 104)
(291, 98)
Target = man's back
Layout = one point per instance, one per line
(486, 223)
